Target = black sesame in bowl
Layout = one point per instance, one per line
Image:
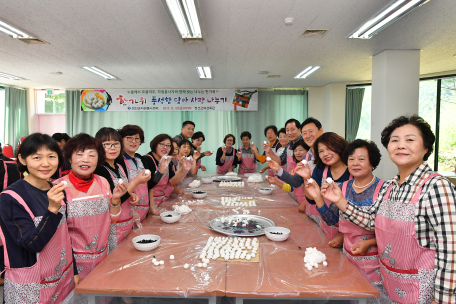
(168, 215)
(278, 233)
(265, 189)
(198, 192)
(146, 241)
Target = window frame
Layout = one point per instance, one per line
(37, 102)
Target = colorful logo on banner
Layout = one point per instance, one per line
(95, 100)
(169, 100)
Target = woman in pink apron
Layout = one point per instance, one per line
(39, 261)
(245, 156)
(185, 147)
(298, 192)
(413, 218)
(278, 147)
(225, 158)
(133, 137)
(159, 162)
(114, 170)
(197, 141)
(91, 207)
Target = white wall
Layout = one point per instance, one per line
(32, 118)
(395, 92)
(51, 123)
(327, 104)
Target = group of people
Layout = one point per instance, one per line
(82, 196)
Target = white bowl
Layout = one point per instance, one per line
(277, 237)
(148, 246)
(265, 190)
(206, 180)
(175, 216)
(200, 194)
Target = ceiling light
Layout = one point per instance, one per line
(307, 71)
(12, 31)
(4, 75)
(387, 16)
(204, 72)
(100, 72)
(185, 16)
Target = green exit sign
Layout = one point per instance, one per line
(49, 91)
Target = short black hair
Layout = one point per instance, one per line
(58, 137)
(296, 122)
(188, 122)
(374, 153)
(130, 130)
(158, 139)
(302, 144)
(107, 134)
(228, 136)
(282, 131)
(35, 142)
(66, 137)
(183, 143)
(197, 135)
(425, 129)
(246, 133)
(274, 129)
(82, 142)
(309, 120)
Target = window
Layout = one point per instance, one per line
(438, 107)
(50, 104)
(364, 128)
(2, 113)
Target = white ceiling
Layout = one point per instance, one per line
(137, 42)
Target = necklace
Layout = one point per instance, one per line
(373, 178)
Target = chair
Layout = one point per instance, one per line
(8, 151)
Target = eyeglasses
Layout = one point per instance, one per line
(132, 139)
(109, 145)
(165, 146)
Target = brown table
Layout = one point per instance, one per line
(279, 274)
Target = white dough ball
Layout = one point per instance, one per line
(200, 265)
(325, 263)
(204, 265)
(162, 262)
(120, 181)
(171, 257)
(186, 266)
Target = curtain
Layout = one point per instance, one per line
(274, 108)
(354, 104)
(15, 123)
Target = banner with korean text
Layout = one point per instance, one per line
(169, 100)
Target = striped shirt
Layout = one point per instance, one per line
(435, 222)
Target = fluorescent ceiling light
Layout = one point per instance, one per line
(100, 72)
(185, 17)
(4, 75)
(204, 72)
(307, 71)
(12, 31)
(387, 16)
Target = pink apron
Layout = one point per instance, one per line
(163, 189)
(141, 190)
(274, 150)
(247, 164)
(89, 222)
(124, 225)
(330, 231)
(298, 193)
(291, 164)
(406, 267)
(50, 279)
(311, 210)
(5, 180)
(367, 263)
(227, 164)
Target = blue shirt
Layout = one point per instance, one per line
(23, 239)
(330, 214)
